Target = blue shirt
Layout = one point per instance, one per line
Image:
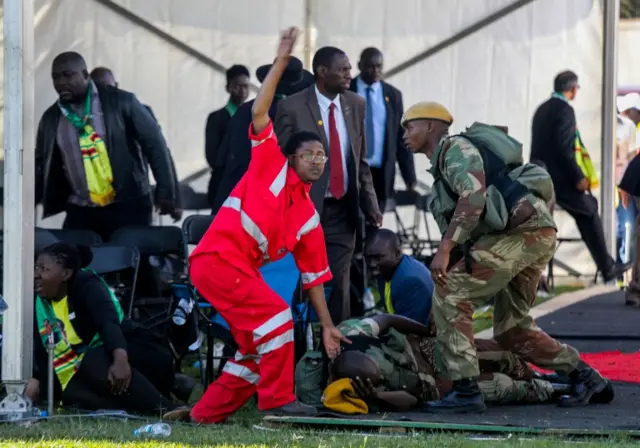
(410, 291)
(375, 151)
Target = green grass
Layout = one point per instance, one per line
(245, 432)
(484, 323)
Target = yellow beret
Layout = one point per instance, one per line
(340, 396)
(426, 111)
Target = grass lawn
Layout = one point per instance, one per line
(245, 432)
(480, 324)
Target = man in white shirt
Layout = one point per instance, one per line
(627, 148)
(337, 115)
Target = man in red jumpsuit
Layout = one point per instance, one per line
(268, 214)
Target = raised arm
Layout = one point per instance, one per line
(262, 103)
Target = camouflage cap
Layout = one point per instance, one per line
(427, 111)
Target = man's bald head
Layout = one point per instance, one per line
(384, 253)
(104, 75)
(70, 77)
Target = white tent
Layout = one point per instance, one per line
(491, 61)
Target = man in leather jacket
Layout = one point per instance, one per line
(105, 118)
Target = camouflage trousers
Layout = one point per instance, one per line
(498, 388)
(505, 378)
(507, 267)
(633, 290)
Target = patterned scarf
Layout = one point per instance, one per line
(583, 159)
(97, 167)
(66, 358)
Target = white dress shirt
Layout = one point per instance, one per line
(341, 124)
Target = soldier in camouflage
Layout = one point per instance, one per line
(495, 243)
(392, 363)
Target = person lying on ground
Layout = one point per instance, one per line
(97, 351)
(392, 365)
(405, 284)
(268, 214)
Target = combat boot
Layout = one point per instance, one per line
(585, 384)
(464, 397)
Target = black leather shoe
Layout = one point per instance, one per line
(604, 397)
(295, 408)
(464, 397)
(585, 383)
(617, 270)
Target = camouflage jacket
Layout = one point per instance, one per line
(402, 362)
(457, 167)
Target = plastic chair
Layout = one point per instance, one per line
(110, 260)
(158, 241)
(77, 237)
(42, 239)
(191, 200)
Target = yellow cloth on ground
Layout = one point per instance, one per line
(340, 396)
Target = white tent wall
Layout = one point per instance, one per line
(497, 75)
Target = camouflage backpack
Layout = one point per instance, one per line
(507, 177)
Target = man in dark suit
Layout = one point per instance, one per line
(234, 154)
(553, 142)
(218, 121)
(335, 113)
(384, 111)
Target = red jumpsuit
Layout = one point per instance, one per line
(268, 214)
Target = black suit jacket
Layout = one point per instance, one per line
(217, 124)
(233, 155)
(553, 135)
(300, 112)
(133, 139)
(90, 304)
(394, 148)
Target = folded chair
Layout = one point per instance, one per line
(77, 236)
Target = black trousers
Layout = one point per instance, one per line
(340, 237)
(380, 187)
(89, 389)
(106, 220)
(583, 208)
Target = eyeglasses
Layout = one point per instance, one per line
(313, 158)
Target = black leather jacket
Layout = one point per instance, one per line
(131, 133)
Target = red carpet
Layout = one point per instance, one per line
(615, 366)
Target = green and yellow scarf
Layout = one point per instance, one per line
(66, 358)
(97, 167)
(583, 159)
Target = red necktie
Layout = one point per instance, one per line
(336, 170)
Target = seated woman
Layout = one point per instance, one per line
(77, 312)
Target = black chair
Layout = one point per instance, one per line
(153, 302)
(191, 200)
(42, 239)
(113, 262)
(77, 237)
(193, 229)
(421, 248)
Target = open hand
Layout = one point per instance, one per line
(331, 338)
(287, 42)
(439, 267)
